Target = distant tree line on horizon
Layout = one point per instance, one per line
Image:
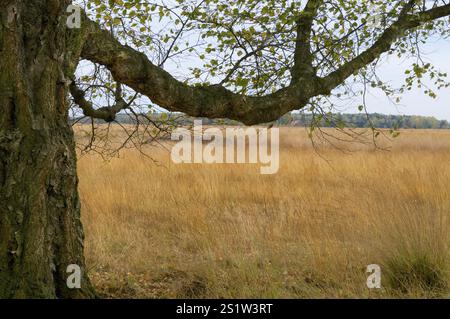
(360, 120)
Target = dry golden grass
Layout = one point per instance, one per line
(309, 231)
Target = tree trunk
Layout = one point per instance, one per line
(40, 228)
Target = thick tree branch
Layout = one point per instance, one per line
(135, 70)
(303, 57)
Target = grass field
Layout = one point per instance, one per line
(196, 231)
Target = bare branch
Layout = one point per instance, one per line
(107, 114)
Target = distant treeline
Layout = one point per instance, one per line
(304, 120)
(352, 120)
(364, 121)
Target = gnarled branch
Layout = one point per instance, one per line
(134, 69)
(108, 114)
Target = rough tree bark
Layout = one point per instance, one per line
(40, 228)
